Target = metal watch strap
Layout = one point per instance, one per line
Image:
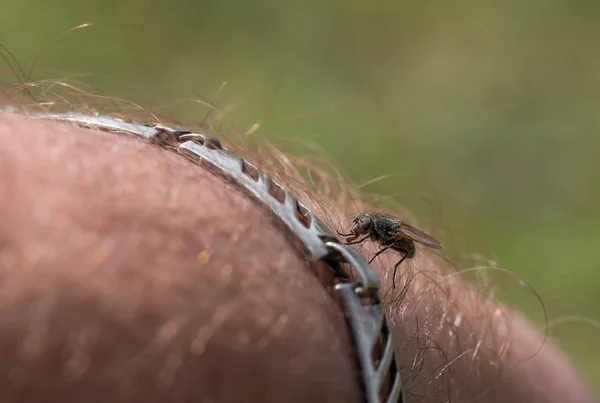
(359, 298)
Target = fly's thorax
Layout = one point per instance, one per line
(385, 227)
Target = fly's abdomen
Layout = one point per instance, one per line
(405, 246)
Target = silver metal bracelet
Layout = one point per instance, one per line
(360, 300)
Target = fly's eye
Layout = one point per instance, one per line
(363, 224)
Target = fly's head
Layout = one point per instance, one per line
(362, 224)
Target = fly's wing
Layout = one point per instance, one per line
(418, 236)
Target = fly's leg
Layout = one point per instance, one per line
(359, 241)
(380, 252)
(396, 268)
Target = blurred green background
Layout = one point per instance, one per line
(488, 111)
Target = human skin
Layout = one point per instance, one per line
(129, 274)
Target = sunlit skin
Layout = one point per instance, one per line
(131, 275)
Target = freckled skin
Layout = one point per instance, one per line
(88, 292)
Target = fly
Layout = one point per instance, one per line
(390, 233)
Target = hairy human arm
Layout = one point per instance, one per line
(130, 274)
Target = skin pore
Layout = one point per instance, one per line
(132, 275)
